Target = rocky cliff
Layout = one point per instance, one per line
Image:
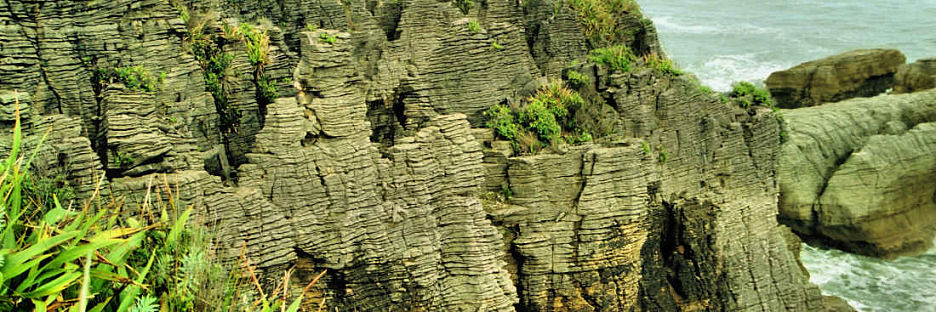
(352, 140)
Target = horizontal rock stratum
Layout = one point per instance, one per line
(358, 148)
(858, 174)
(859, 73)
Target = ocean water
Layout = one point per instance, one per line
(725, 41)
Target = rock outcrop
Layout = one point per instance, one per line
(858, 174)
(860, 73)
(369, 161)
(916, 76)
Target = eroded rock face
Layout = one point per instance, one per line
(859, 73)
(858, 174)
(916, 76)
(370, 163)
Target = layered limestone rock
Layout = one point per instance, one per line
(916, 76)
(857, 174)
(370, 163)
(859, 73)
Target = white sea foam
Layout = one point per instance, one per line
(720, 71)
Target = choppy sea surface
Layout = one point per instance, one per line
(725, 41)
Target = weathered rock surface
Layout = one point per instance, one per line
(367, 164)
(859, 73)
(916, 76)
(853, 176)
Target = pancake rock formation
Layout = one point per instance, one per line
(355, 143)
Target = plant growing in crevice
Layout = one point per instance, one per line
(327, 38)
(663, 156)
(543, 119)
(616, 58)
(746, 94)
(577, 79)
(600, 17)
(495, 45)
(135, 78)
(474, 27)
(661, 64)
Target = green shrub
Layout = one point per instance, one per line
(705, 89)
(135, 78)
(645, 147)
(122, 160)
(746, 94)
(600, 17)
(501, 118)
(473, 27)
(616, 58)
(327, 38)
(661, 64)
(577, 79)
(663, 156)
(542, 119)
(496, 45)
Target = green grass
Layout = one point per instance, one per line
(662, 65)
(599, 18)
(542, 119)
(327, 38)
(616, 58)
(473, 27)
(746, 94)
(495, 45)
(135, 78)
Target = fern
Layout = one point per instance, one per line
(145, 303)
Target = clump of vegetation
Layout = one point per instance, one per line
(746, 94)
(616, 58)
(311, 27)
(663, 155)
(464, 5)
(495, 45)
(135, 78)
(543, 119)
(662, 65)
(257, 43)
(577, 79)
(122, 160)
(645, 147)
(327, 38)
(473, 27)
(219, 76)
(600, 17)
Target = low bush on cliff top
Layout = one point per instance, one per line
(600, 17)
(92, 256)
(541, 120)
(746, 94)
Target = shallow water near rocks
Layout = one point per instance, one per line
(726, 41)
